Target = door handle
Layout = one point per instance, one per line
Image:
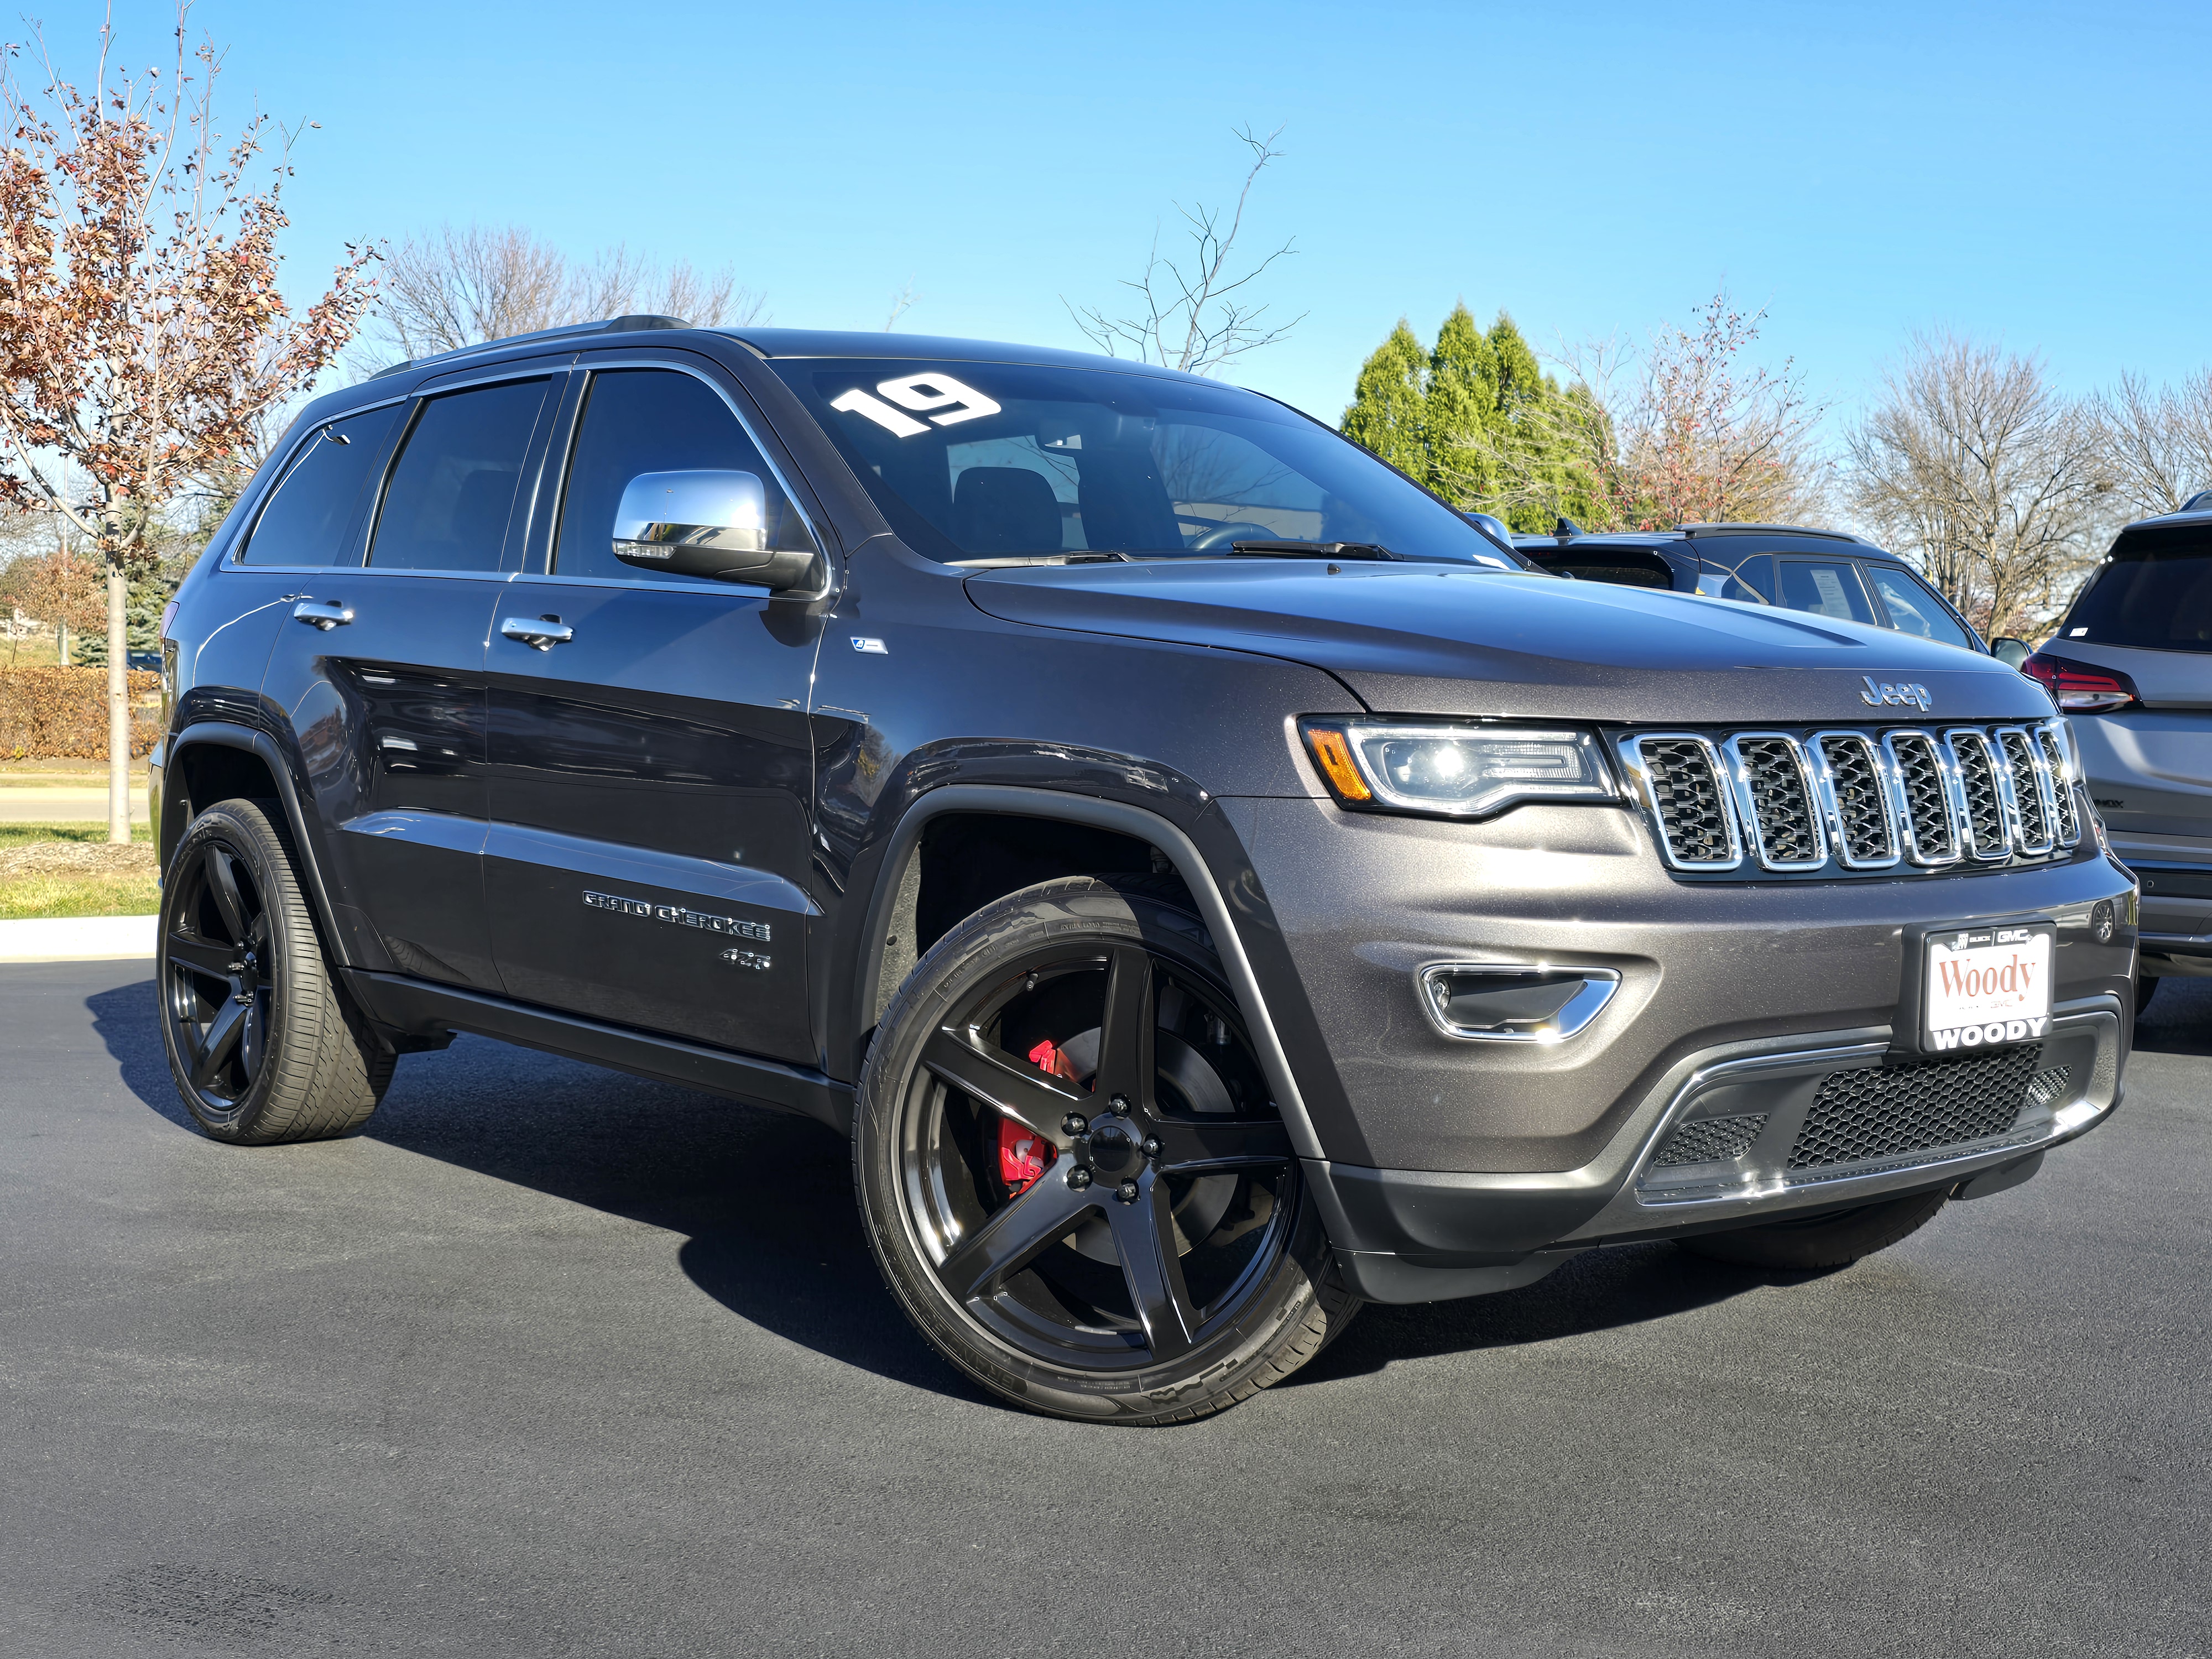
(324, 614)
(544, 633)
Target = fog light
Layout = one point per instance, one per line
(1500, 1002)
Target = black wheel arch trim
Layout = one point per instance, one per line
(1174, 843)
(229, 735)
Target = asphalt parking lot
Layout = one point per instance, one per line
(552, 1362)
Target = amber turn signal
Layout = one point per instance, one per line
(1334, 756)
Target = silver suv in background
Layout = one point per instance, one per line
(2131, 664)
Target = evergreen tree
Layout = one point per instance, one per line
(1459, 435)
(1389, 403)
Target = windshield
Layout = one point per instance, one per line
(988, 461)
(2154, 589)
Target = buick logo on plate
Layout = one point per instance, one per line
(1912, 695)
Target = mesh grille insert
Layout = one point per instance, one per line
(2020, 762)
(2048, 1087)
(1711, 1139)
(1867, 836)
(1978, 779)
(1691, 811)
(1788, 834)
(1924, 796)
(2070, 826)
(1885, 1111)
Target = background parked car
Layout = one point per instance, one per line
(1820, 571)
(2131, 666)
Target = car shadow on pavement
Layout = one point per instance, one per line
(762, 1201)
(2180, 1019)
(1601, 1290)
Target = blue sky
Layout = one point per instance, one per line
(2028, 172)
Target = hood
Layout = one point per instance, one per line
(1410, 639)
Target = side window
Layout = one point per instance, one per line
(1912, 609)
(1826, 588)
(1748, 582)
(312, 506)
(652, 419)
(452, 489)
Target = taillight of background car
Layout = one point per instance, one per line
(2079, 688)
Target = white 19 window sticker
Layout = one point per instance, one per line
(944, 399)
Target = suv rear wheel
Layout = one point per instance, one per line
(1070, 1169)
(263, 1044)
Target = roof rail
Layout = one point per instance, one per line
(1768, 530)
(609, 326)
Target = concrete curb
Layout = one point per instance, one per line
(77, 939)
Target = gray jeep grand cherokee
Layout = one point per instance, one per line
(1207, 888)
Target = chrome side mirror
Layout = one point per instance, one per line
(706, 524)
(2009, 650)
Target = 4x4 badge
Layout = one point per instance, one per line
(1893, 695)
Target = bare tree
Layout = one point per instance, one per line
(1685, 431)
(2156, 446)
(452, 288)
(1199, 315)
(1974, 466)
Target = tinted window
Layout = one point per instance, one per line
(2155, 590)
(1826, 588)
(446, 505)
(1747, 581)
(652, 420)
(1912, 609)
(996, 460)
(311, 509)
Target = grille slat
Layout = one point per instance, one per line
(1779, 802)
(1885, 1111)
(2062, 787)
(2032, 821)
(1978, 790)
(1927, 802)
(1866, 833)
(1685, 786)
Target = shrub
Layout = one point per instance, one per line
(61, 714)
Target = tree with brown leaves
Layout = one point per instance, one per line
(143, 338)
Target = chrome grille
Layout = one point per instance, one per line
(1684, 776)
(1775, 796)
(1841, 802)
(1979, 795)
(2061, 785)
(1866, 826)
(2030, 821)
(1885, 1111)
(1927, 814)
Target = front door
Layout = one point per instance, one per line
(380, 673)
(651, 761)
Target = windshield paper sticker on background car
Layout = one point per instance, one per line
(923, 394)
(1988, 985)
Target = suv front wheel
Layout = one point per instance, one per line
(1071, 1170)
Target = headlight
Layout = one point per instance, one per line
(1455, 771)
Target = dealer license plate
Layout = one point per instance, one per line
(1987, 986)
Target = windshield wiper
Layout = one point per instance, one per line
(1293, 549)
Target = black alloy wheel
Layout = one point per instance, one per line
(1076, 1178)
(261, 1041)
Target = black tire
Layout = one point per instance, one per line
(1117, 1285)
(2145, 988)
(1828, 1241)
(263, 1044)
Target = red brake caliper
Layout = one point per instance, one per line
(1023, 1155)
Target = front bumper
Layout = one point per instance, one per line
(1418, 1236)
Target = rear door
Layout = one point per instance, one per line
(379, 671)
(651, 763)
